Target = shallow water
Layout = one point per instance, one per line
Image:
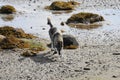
(32, 17)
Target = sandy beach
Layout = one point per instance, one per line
(98, 55)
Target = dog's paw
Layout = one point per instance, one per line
(55, 52)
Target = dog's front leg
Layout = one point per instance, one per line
(52, 49)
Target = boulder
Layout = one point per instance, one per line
(70, 42)
(62, 5)
(16, 32)
(85, 18)
(7, 9)
(13, 42)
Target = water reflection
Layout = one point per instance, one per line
(86, 26)
(61, 12)
(9, 17)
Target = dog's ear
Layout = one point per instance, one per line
(48, 21)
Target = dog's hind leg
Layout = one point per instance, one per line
(54, 48)
(59, 47)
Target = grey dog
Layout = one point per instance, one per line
(56, 38)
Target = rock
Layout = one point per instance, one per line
(62, 24)
(29, 53)
(62, 5)
(43, 28)
(70, 42)
(78, 70)
(86, 68)
(85, 18)
(13, 42)
(114, 76)
(16, 32)
(116, 53)
(2, 37)
(62, 31)
(7, 9)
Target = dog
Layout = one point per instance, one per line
(56, 38)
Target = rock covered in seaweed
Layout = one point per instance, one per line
(16, 38)
(85, 18)
(13, 42)
(62, 5)
(16, 32)
(7, 9)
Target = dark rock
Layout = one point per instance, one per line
(43, 28)
(85, 18)
(62, 23)
(86, 68)
(114, 76)
(62, 5)
(7, 9)
(70, 42)
(16, 32)
(34, 9)
(116, 53)
(59, 5)
(13, 42)
(78, 70)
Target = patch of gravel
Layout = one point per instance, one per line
(84, 61)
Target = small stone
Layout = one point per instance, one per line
(30, 27)
(51, 71)
(62, 23)
(77, 70)
(43, 28)
(62, 31)
(113, 14)
(116, 53)
(34, 9)
(87, 62)
(114, 76)
(86, 68)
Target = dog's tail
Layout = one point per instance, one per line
(49, 22)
